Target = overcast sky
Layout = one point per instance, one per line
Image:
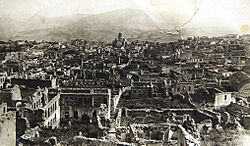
(233, 14)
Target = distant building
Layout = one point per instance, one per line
(183, 87)
(13, 66)
(120, 41)
(3, 76)
(141, 89)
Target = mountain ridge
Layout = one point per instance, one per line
(135, 24)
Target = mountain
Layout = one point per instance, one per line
(122, 19)
(135, 24)
(42, 22)
(8, 27)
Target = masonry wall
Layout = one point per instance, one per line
(3, 108)
(52, 113)
(76, 105)
(8, 129)
(97, 142)
(185, 139)
(246, 122)
(222, 99)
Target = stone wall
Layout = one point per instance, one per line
(8, 129)
(80, 140)
(246, 121)
(3, 108)
(222, 99)
(185, 138)
(52, 112)
(141, 116)
(76, 103)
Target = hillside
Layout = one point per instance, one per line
(135, 24)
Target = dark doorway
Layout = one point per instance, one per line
(75, 114)
(43, 100)
(94, 117)
(85, 119)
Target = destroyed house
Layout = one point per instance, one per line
(240, 81)
(80, 103)
(42, 107)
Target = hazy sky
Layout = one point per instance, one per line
(233, 14)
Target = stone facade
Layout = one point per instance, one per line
(222, 99)
(7, 126)
(80, 103)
